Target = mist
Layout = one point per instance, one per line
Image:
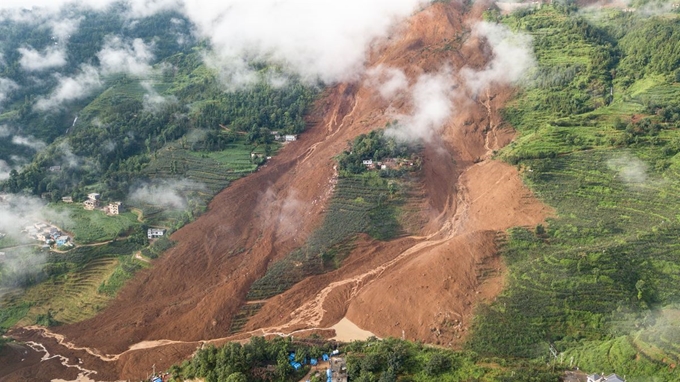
(170, 194)
(71, 88)
(16, 213)
(629, 169)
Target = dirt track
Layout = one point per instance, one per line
(423, 287)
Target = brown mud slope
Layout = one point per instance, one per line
(423, 287)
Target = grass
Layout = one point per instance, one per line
(206, 172)
(73, 286)
(94, 226)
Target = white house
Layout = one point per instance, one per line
(155, 233)
(290, 138)
(602, 378)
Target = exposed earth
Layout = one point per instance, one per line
(422, 287)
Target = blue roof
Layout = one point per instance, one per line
(156, 379)
(313, 362)
(325, 357)
(296, 365)
(291, 356)
(329, 372)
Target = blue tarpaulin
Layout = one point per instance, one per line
(313, 362)
(291, 356)
(296, 365)
(324, 357)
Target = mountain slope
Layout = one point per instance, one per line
(193, 292)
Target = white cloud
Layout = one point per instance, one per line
(64, 28)
(630, 169)
(512, 57)
(6, 86)
(33, 61)
(72, 88)
(153, 101)
(118, 56)
(31, 142)
(168, 193)
(324, 39)
(388, 81)
(432, 105)
(319, 40)
(5, 168)
(5, 131)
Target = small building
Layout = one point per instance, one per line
(67, 199)
(155, 233)
(114, 208)
(290, 137)
(3, 257)
(602, 378)
(92, 201)
(55, 168)
(62, 240)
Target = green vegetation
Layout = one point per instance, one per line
(372, 360)
(599, 143)
(70, 286)
(94, 226)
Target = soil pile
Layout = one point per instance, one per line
(421, 287)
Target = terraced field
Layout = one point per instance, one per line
(360, 204)
(203, 174)
(71, 297)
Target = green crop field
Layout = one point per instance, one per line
(599, 282)
(93, 226)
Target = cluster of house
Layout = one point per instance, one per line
(93, 202)
(337, 368)
(602, 378)
(390, 163)
(285, 137)
(47, 234)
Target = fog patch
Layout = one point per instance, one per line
(170, 194)
(388, 81)
(512, 57)
(6, 87)
(33, 61)
(629, 169)
(71, 88)
(154, 102)
(29, 141)
(432, 105)
(118, 56)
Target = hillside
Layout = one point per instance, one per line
(526, 208)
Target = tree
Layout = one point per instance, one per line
(237, 377)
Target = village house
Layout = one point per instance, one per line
(290, 137)
(67, 199)
(55, 168)
(114, 208)
(602, 378)
(62, 240)
(155, 233)
(92, 201)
